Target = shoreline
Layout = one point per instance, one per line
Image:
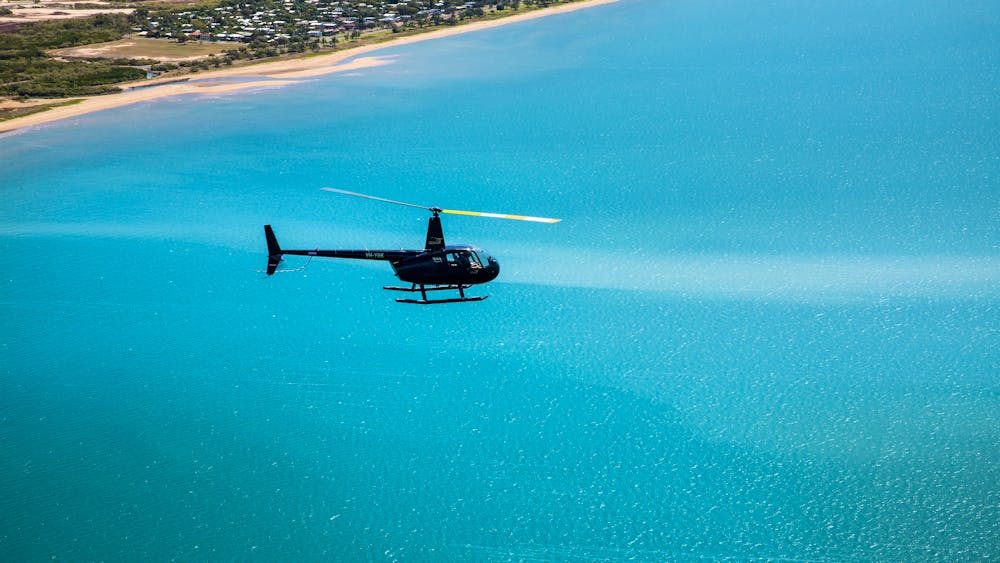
(273, 74)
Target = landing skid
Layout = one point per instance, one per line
(423, 289)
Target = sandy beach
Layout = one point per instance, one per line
(271, 74)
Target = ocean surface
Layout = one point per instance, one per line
(768, 326)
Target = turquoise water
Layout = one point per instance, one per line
(766, 328)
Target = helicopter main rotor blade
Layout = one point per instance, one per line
(449, 211)
(355, 194)
(501, 216)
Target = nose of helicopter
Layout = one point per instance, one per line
(492, 269)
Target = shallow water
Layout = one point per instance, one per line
(767, 326)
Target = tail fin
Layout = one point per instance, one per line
(273, 250)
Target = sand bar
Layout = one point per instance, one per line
(270, 74)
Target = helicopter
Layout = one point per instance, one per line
(435, 268)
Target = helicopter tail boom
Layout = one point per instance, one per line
(276, 255)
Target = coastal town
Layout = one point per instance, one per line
(316, 21)
(51, 51)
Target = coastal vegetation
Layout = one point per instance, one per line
(26, 69)
(21, 110)
(36, 59)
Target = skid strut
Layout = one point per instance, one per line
(423, 289)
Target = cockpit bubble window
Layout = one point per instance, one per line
(484, 257)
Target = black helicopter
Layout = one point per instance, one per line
(437, 267)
